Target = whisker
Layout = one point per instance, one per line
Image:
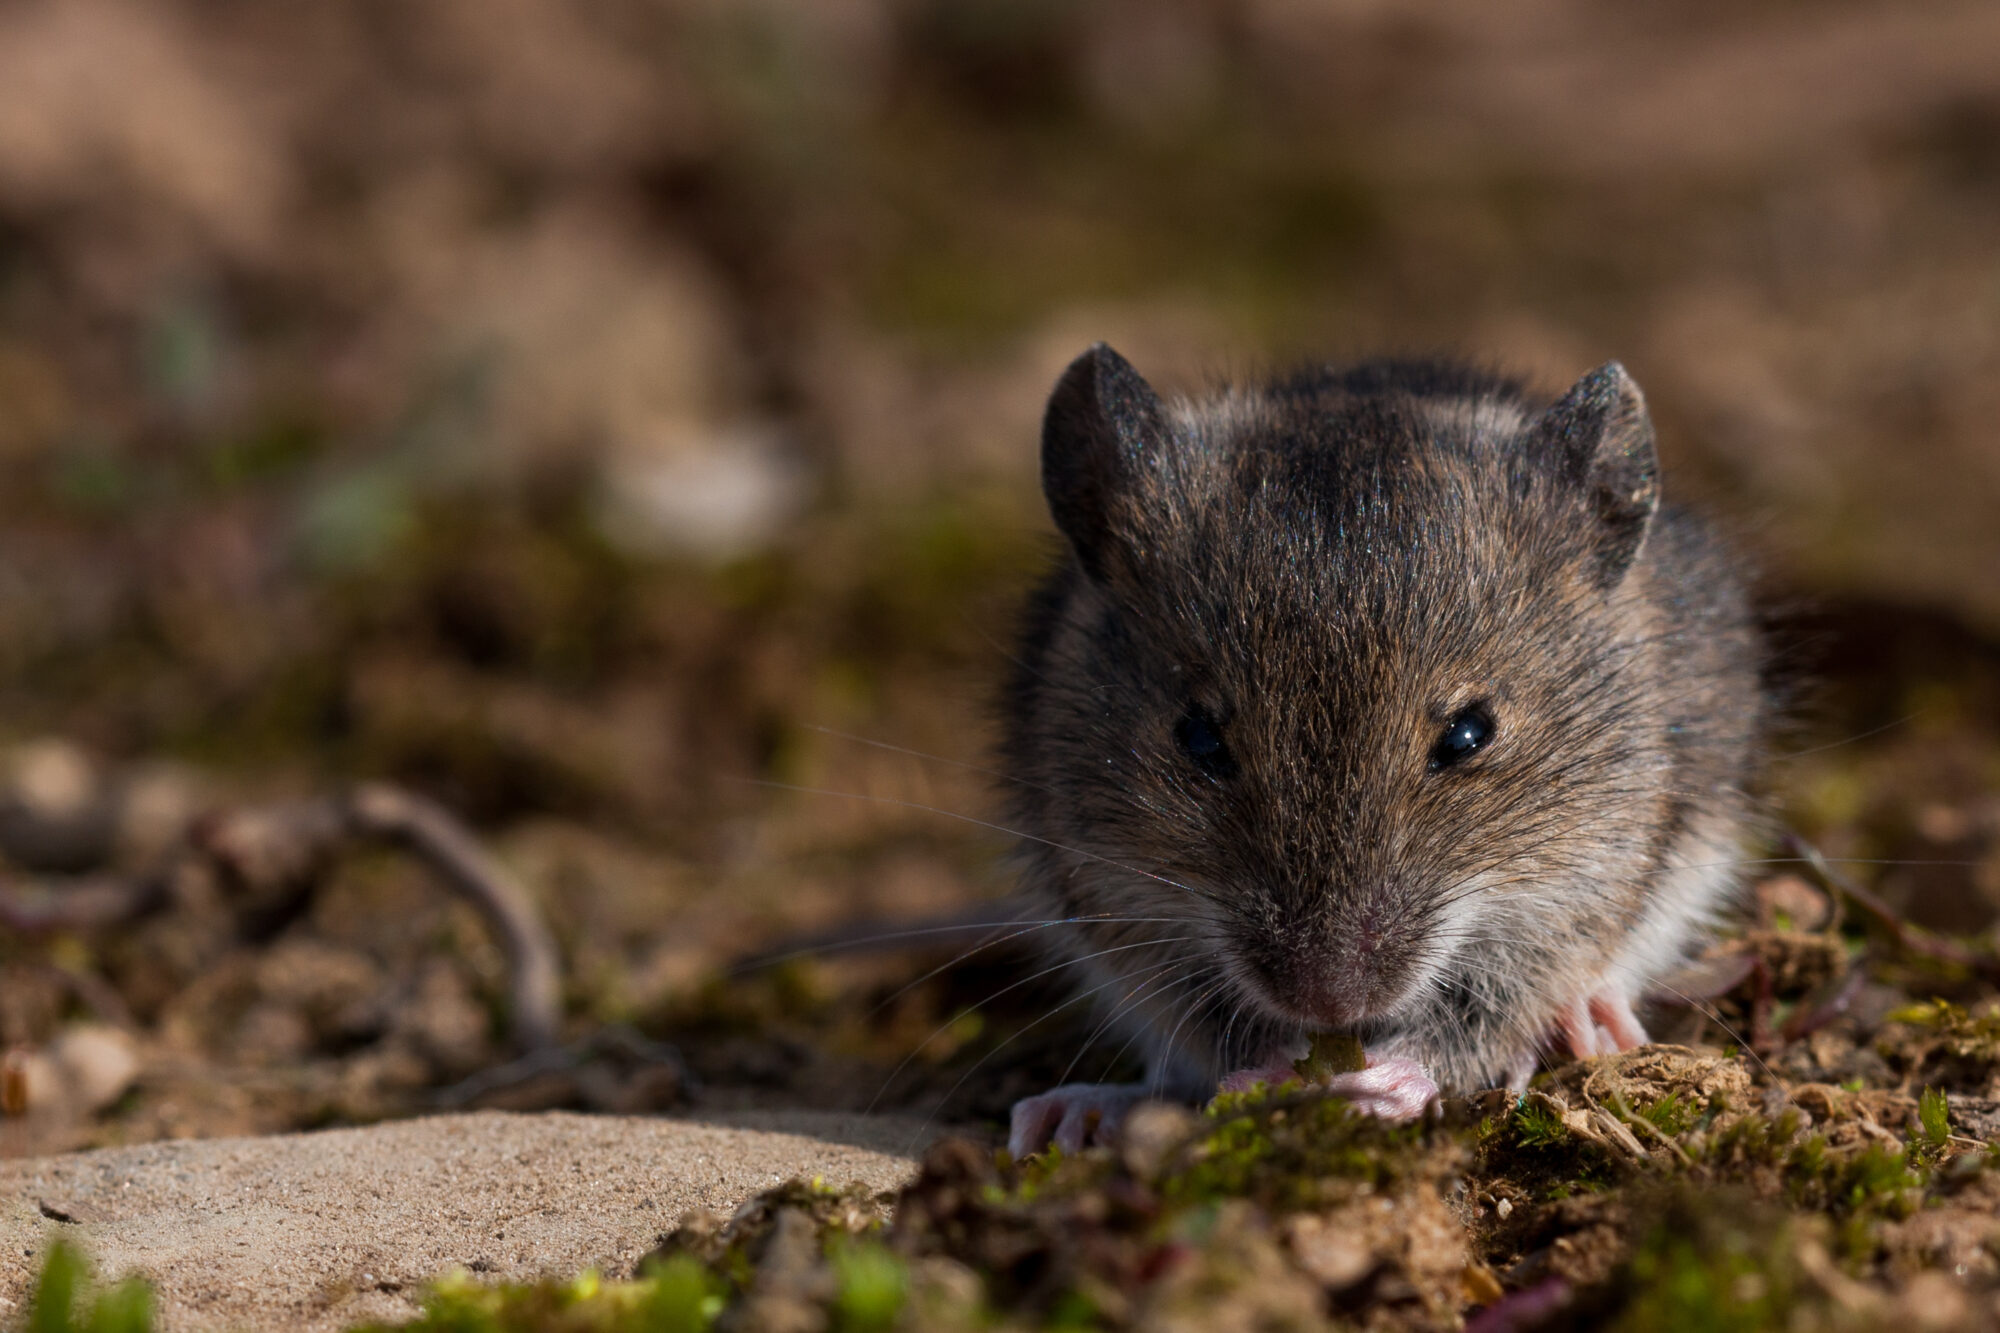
(1026, 925)
(1195, 965)
(1012, 986)
(1003, 1045)
(931, 758)
(968, 819)
(1013, 935)
(1825, 860)
(1157, 1075)
(1217, 994)
(1858, 736)
(1742, 1044)
(1130, 1001)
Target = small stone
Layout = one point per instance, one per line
(1791, 900)
(1504, 1209)
(1934, 1300)
(943, 1289)
(97, 1063)
(1944, 823)
(728, 491)
(1151, 1131)
(30, 1082)
(160, 802)
(271, 1034)
(1334, 1259)
(52, 779)
(56, 810)
(1479, 1286)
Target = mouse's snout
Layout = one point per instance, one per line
(1342, 970)
(1331, 1000)
(1343, 991)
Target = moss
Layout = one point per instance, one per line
(1968, 1033)
(687, 1285)
(1932, 1135)
(1853, 1186)
(1290, 1152)
(1074, 1311)
(1216, 1214)
(1104, 1239)
(64, 1301)
(677, 1296)
(731, 1249)
(1752, 1141)
(1672, 1114)
(1537, 1125)
(685, 1296)
(1944, 1045)
(1876, 1180)
(1705, 1269)
(872, 1287)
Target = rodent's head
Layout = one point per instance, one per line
(1349, 673)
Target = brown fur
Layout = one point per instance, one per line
(1332, 567)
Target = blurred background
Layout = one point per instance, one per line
(582, 412)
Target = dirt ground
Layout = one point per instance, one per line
(614, 424)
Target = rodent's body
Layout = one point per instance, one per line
(1387, 701)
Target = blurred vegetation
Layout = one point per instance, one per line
(65, 1303)
(617, 419)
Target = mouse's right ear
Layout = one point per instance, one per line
(1602, 436)
(1102, 420)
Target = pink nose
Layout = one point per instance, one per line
(1345, 986)
(1327, 999)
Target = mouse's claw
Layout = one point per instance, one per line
(1391, 1088)
(1072, 1116)
(1601, 1023)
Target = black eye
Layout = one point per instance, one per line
(1471, 730)
(1200, 738)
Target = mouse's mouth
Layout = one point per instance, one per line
(1312, 1057)
(1273, 1032)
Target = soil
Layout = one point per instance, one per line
(615, 423)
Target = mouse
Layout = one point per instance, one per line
(1387, 701)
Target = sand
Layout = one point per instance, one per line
(317, 1231)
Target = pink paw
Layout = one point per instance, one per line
(1391, 1089)
(1072, 1116)
(1394, 1089)
(1601, 1023)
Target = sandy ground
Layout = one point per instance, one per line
(316, 1231)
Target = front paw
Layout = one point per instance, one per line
(1390, 1088)
(1394, 1089)
(1601, 1023)
(1072, 1117)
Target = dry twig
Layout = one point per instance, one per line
(292, 843)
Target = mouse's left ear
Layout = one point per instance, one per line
(1102, 420)
(1602, 437)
